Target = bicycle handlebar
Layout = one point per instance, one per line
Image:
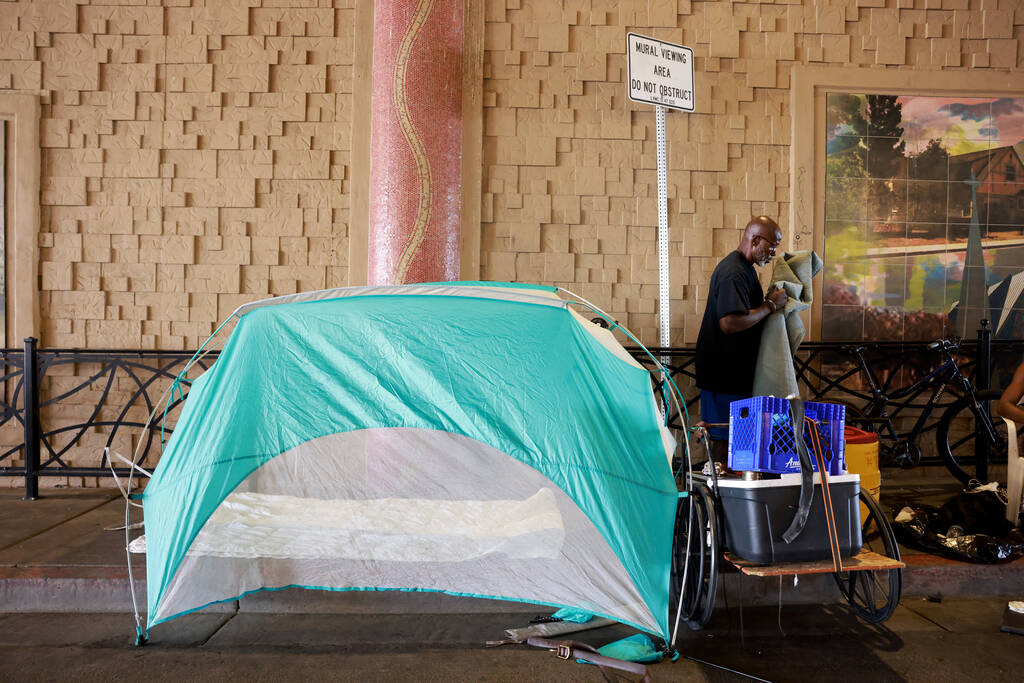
(945, 344)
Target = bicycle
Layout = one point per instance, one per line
(965, 429)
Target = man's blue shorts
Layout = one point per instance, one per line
(714, 407)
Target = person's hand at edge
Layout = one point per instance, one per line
(777, 298)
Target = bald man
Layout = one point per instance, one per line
(730, 334)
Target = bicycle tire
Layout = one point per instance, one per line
(698, 568)
(680, 547)
(708, 587)
(954, 444)
(851, 410)
(699, 593)
(859, 587)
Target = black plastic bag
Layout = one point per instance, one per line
(971, 526)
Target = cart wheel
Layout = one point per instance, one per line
(696, 514)
(874, 595)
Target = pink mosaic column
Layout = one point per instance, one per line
(416, 142)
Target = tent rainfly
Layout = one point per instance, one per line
(478, 439)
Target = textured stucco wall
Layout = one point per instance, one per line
(198, 154)
(570, 181)
(194, 156)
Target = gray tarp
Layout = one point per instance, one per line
(782, 334)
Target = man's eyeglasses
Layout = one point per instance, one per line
(771, 245)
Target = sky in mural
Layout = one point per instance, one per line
(964, 125)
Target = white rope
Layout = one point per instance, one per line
(127, 462)
(117, 480)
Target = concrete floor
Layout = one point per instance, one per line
(64, 614)
(955, 640)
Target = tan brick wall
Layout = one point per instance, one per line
(197, 153)
(569, 164)
(195, 156)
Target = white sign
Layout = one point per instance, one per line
(660, 73)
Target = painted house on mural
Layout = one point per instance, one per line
(1000, 194)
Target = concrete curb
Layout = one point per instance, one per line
(105, 589)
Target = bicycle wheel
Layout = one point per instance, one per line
(688, 516)
(873, 595)
(852, 413)
(696, 536)
(955, 434)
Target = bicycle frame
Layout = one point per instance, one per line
(877, 408)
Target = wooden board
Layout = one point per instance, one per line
(862, 561)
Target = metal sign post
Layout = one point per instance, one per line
(661, 74)
(663, 295)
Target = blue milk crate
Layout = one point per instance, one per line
(761, 435)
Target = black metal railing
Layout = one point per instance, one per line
(60, 405)
(828, 372)
(113, 391)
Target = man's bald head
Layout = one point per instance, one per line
(761, 238)
(761, 225)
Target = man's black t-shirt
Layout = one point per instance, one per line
(726, 362)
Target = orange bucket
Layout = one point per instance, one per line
(862, 459)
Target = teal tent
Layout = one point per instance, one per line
(478, 439)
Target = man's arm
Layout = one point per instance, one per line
(732, 323)
(737, 322)
(1007, 405)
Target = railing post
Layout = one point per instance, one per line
(32, 438)
(983, 382)
(984, 374)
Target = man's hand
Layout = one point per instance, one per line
(779, 298)
(737, 322)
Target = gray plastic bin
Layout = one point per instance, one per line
(756, 513)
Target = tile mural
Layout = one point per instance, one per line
(898, 213)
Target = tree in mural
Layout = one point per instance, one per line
(885, 153)
(846, 199)
(846, 171)
(885, 135)
(932, 162)
(847, 163)
(845, 121)
(928, 199)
